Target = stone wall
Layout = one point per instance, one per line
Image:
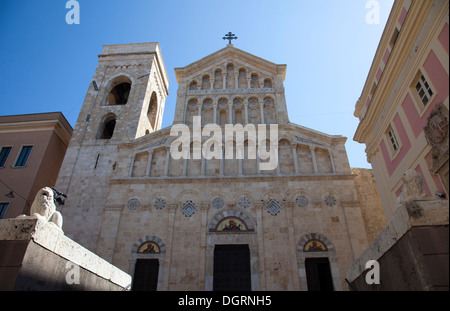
(412, 251)
(371, 206)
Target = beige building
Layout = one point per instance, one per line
(217, 224)
(32, 148)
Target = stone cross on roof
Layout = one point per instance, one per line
(230, 36)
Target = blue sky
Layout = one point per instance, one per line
(46, 65)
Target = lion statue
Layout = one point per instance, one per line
(44, 208)
(413, 188)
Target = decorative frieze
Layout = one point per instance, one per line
(229, 91)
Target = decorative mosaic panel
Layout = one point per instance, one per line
(149, 247)
(133, 204)
(218, 203)
(315, 246)
(188, 209)
(244, 202)
(330, 200)
(301, 201)
(160, 204)
(231, 224)
(273, 207)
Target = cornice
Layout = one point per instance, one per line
(33, 126)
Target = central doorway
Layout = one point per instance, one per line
(232, 268)
(318, 274)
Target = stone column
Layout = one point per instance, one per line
(294, 153)
(222, 163)
(211, 82)
(199, 107)
(261, 252)
(246, 111)
(215, 112)
(230, 113)
(149, 163)
(313, 156)
(166, 168)
(172, 208)
(224, 74)
(185, 165)
(130, 173)
(203, 173)
(204, 207)
(258, 160)
(261, 110)
(292, 245)
(236, 80)
(333, 167)
(249, 82)
(240, 167)
(278, 164)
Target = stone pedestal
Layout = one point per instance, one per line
(36, 255)
(412, 250)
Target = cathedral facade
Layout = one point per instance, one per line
(208, 224)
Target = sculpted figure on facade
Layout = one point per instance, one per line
(413, 188)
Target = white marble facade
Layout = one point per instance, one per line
(127, 190)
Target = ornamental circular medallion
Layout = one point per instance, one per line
(244, 202)
(133, 204)
(301, 201)
(218, 203)
(160, 204)
(330, 200)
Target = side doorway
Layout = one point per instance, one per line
(318, 274)
(146, 275)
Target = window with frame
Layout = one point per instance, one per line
(3, 209)
(393, 140)
(4, 153)
(423, 89)
(24, 154)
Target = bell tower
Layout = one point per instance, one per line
(125, 101)
(126, 97)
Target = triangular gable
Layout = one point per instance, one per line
(230, 54)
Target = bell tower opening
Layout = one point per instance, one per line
(119, 94)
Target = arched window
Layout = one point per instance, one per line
(230, 77)
(269, 111)
(267, 83)
(191, 111)
(254, 81)
(254, 113)
(218, 80)
(242, 79)
(107, 128)
(238, 111)
(119, 94)
(152, 110)
(207, 112)
(206, 83)
(193, 85)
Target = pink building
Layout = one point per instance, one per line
(32, 148)
(403, 108)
